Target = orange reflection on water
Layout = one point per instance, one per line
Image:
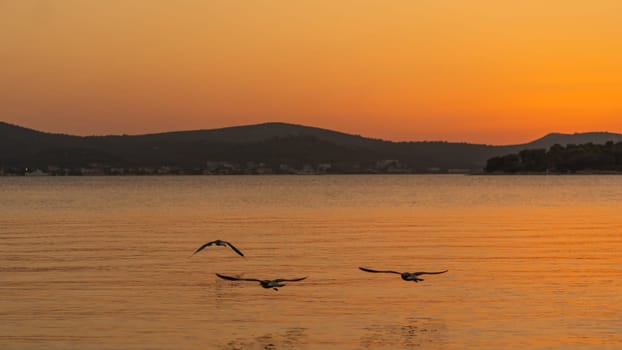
(104, 262)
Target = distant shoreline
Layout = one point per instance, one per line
(530, 173)
(262, 149)
(580, 173)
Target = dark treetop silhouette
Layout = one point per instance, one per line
(559, 159)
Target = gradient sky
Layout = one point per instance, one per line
(485, 71)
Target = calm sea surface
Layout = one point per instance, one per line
(535, 262)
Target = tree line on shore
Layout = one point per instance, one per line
(561, 159)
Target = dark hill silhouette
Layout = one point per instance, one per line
(272, 143)
(565, 139)
(260, 132)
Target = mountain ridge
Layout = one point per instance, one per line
(577, 137)
(272, 143)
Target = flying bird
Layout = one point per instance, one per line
(219, 243)
(264, 283)
(406, 276)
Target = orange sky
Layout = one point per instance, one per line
(485, 71)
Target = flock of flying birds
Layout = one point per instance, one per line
(278, 282)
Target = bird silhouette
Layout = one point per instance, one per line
(406, 276)
(264, 283)
(219, 243)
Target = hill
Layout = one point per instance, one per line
(270, 146)
(567, 139)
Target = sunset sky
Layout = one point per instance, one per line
(485, 71)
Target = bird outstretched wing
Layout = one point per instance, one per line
(428, 273)
(229, 278)
(235, 249)
(289, 280)
(378, 271)
(203, 247)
